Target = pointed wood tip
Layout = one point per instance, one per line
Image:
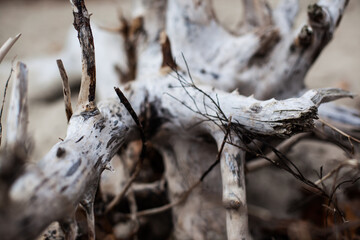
(168, 63)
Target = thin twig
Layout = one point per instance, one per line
(339, 131)
(128, 107)
(66, 89)
(139, 163)
(349, 162)
(3, 102)
(5, 48)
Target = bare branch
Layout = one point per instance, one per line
(3, 103)
(66, 89)
(5, 48)
(12, 160)
(18, 110)
(88, 79)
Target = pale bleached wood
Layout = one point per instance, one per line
(68, 174)
(72, 168)
(17, 119)
(234, 192)
(12, 160)
(5, 48)
(66, 89)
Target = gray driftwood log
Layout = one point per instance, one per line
(183, 102)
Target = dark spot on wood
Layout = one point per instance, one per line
(98, 162)
(256, 108)
(73, 168)
(239, 170)
(306, 36)
(88, 114)
(63, 188)
(118, 115)
(202, 71)
(79, 139)
(292, 47)
(100, 125)
(116, 122)
(268, 41)
(215, 76)
(25, 221)
(60, 152)
(33, 198)
(42, 183)
(99, 144)
(316, 13)
(232, 204)
(112, 139)
(115, 129)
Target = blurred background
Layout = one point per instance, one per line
(44, 25)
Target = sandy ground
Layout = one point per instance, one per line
(44, 25)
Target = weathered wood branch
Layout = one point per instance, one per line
(5, 48)
(72, 168)
(88, 79)
(13, 159)
(67, 174)
(66, 89)
(234, 192)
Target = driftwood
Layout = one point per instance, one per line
(184, 103)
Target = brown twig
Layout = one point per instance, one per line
(139, 164)
(168, 62)
(86, 99)
(5, 48)
(66, 89)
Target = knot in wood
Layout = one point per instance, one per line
(232, 204)
(316, 13)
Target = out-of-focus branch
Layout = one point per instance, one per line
(66, 89)
(5, 48)
(13, 159)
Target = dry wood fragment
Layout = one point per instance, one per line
(66, 89)
(86, 99)
(5, 48)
